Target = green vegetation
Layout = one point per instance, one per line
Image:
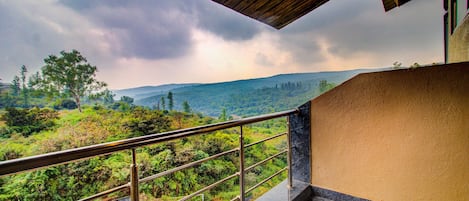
(64, 107)
(62, 78)
(246, 97)
(97, 124)
(27, 121)
(70, 76)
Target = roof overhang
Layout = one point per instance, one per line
(390, 4)
(276, 13)
(279, 13)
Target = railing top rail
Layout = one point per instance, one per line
(65, 156)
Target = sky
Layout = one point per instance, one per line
(153, 42)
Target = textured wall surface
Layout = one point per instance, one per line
(396, 135)
(300, 138)
(458, 46)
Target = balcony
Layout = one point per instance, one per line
(396, 135)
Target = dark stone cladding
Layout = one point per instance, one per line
(301, 143)
(332, 195)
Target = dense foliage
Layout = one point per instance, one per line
(97, 124)
(70, 75)
(52, 119)
(245, 97)
(27, 121)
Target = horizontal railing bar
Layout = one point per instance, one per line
(107, 192)
(66, 156)
(266, 180)
(265, 160)
(209, 186)
(161, 174)
(266, 139)
(235, 198)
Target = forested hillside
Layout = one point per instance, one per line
(148, 91)
(97, 124)
(254, 96)
(63, 107)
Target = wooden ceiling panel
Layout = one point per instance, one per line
(390, 4)
(279, 13)
(276, 13)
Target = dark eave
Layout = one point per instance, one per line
(276, 13)
(279, 13)
(390, 4)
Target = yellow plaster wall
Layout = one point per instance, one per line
(394, 136)
(458, 45)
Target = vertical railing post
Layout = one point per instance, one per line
(134, 178)
(241, 165)
(289, 155)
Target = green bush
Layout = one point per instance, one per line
(28, 121)
(65, 104)
(144, 122)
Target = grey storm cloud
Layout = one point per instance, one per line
(144, 29)
(224, 22)
(162, 29)
(23, 42)
(356, 26)
(375, 31)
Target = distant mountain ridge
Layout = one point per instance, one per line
(147, 91)
(243, 97)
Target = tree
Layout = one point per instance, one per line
(397, 65)
(223, 116)
(157, 106)
(70, 75)
(24, 89)
(15, 86)
(325, 86)
(163, 105)
(186, 107)
(127, 99)
(170, 100)
(415, 65)
(108, 97)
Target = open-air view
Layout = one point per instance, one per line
(234, 100)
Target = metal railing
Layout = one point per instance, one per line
(67, 156)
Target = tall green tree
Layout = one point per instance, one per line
(325, 86)
(15, 86)
(223, 116)
(70, 75)
(163, 105)
(24, 88)
(170, 101)
(186, 107)
(108, 97)
(127, 99)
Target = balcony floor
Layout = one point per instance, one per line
(305, 192)
(280, 193)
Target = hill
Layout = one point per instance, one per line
(251, 96)
(148, 91)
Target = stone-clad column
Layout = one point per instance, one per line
(301, 144)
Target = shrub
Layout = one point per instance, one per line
(65, 104)
(144, 122)
(29, 121)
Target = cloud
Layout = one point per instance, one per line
(225, 22)
(142, 29)
(354, 28)
(162, 29)
(32, 30)
(263, 60)
(158, 42)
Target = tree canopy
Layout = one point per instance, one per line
(70, 75)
